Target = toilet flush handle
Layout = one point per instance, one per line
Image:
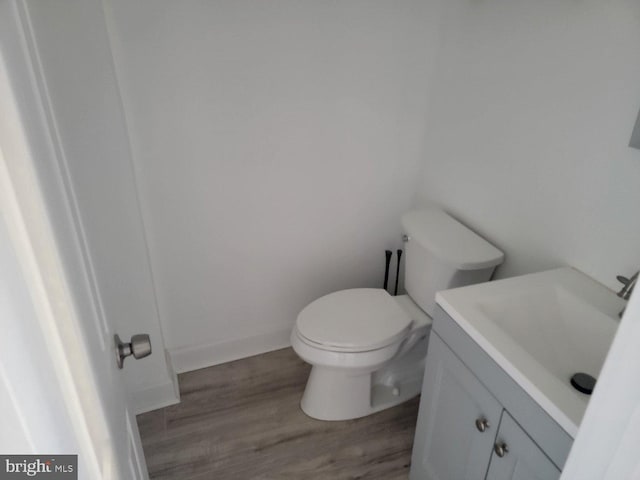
(406, 238)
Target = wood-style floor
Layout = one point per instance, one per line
(242, 421)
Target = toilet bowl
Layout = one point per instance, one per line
(367, 349)
(368, 330)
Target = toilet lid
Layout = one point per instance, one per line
(360, 319)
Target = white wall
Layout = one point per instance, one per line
(276, 145)
(72, 58)
(533, 104)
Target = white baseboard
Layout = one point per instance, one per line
(186, 359)
(158, 396)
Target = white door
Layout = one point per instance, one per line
(58, 375)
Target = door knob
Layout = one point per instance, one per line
(139, 347)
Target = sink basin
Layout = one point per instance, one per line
(541, 329)
(556, 327)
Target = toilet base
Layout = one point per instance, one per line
(333, 394)
(342, 386)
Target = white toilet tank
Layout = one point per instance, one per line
(441, 253)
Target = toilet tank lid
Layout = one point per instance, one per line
(450, 240)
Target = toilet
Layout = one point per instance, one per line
(367, 348)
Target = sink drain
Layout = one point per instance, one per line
(583, 382)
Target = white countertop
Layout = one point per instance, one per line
(541, 329)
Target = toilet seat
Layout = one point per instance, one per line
(355, 320)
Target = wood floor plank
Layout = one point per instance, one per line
(242, 421)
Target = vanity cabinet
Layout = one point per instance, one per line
(517, 457)
(475, 423)
(457, 420)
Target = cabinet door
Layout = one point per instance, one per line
(523, 459)
(448, 445)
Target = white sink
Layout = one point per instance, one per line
(541, 329)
